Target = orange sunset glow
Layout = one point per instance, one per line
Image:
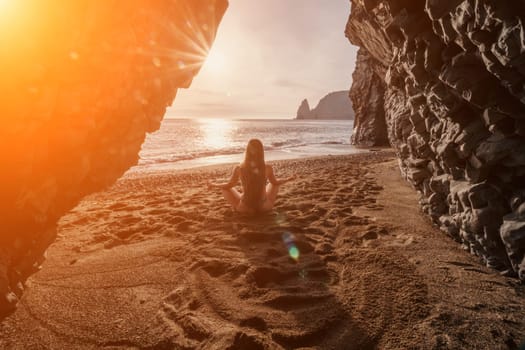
(267, 57)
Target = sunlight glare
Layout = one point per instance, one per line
(216, 62)
(15, 20)
(4, 5)
(216, 132)
(7, 12)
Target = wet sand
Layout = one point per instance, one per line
(345, 261)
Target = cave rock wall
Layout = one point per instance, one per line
(82, 82)
(368, 98)
(453, 74)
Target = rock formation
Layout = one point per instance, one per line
(453, 75)
(335, 105)
(304, 111)
(367, 94)
(80, 88)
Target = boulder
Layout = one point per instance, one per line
(513, 235)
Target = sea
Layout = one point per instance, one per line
(188, 143)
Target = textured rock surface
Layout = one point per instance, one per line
(367, 94)
(80, 88)
(454, 104)
(335, 105)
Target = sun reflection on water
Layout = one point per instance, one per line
(216, 133)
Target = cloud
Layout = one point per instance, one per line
(230, 108)
(290, 84)
(208, 93)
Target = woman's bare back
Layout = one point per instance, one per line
(268, 195)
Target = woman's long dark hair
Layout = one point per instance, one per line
(253, 174)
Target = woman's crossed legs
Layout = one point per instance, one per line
(235, 198)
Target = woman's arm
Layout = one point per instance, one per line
(273, 180)
(227, 185)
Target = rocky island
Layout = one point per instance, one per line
(335, 105)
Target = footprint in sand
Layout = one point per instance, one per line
(265, 275)
(256, 323)
(375, 207)
(313, 231)
(184, 226)
(324, 249)
(260, 236)
(307, 219)
(158, 211)
(282, 304)
(214, 268)
(176, 219)
(114, 242)
(128, 220)
(273, 253)
(328, 223)
(153, 229)
(126, 233)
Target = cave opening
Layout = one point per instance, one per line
(442, 84)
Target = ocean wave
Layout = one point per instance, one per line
(187, 140)
(332, 143)
(289, 145)
(286, 143)
(145, 160)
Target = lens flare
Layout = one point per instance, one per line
(289, 241)
(294, 252)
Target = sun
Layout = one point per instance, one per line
(216, 62)
(17, 18)
(6, 9)
(11, 20)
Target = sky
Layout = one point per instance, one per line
(267, 57)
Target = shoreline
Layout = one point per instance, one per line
(136, 171)
(157, 261)
(223, 141)
(225, 159)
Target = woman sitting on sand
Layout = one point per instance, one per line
(253, 173)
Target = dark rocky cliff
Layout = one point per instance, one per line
(447, 78)
(368, 98)
(80, 88)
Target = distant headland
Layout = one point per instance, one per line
(335, 105)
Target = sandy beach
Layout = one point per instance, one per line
(345, 261)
